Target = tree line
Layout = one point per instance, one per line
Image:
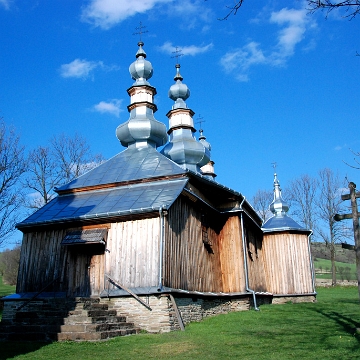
(313, 202)
(28, 176)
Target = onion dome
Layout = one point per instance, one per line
(203, 141)
(208, 169)
(141, 70)
(142, 129)
(183, 148)
(278, 206)
(280, 221)
(179, 92)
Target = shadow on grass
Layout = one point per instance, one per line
(347, 323)
(10, 349)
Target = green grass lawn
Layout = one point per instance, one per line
(323, 330)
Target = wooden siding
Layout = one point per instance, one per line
(287, 263)
(255, 261)
(132, 256)
(232, 256)
(189, 263)
(77, 270)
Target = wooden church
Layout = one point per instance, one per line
(153, 236)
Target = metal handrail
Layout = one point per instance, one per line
(37, 294)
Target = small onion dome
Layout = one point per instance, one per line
(141, 70)
(278, 206)
(203, 141)
(179, 92)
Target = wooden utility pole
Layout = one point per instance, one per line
(355, 217)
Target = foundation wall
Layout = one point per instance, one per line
(162, 316)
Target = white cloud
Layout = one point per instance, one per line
(5, 4)
(79, 68)
(192, 50)
(243, 58)
(107, 13)
(293, 22)
(109, 107)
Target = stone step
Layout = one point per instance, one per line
(82, 319)
(98, 313)
(89, 336)
(95, 306)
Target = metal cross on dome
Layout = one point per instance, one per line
(140, 30)
(177, 53)
(200, 120)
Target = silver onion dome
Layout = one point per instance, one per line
(203, 141)
(141, 70)
(278, 206)
(280, 221)
(179, 92)
(142, 129)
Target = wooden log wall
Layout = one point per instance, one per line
(189, 262)
(255, 261)
(77, 270)
(42, 260)
(287, 263)
(132, 256)
(232, 256)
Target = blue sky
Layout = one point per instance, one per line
(273, 83)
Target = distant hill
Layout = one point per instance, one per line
(319, 250)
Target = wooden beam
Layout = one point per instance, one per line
(128, 290)
(348, 196)
(339, 217)
(177, 312)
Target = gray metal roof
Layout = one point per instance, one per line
(131, 164)
(102, 204)
(281, 223)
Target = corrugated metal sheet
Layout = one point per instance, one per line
(93, 236)
(130, 199)
(131, 164)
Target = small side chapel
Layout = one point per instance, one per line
(153, 236)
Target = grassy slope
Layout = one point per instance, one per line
(324, 330)
(323, 267)
(6, 289)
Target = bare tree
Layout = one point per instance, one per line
(351, 7)
(73, 156)
(233, 9)
(9, 264)
(42, 177)
(261, 202)
(328, 204)
(301, 194)
(12, 167)
(64, 160)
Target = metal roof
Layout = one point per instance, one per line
(131, 164)
(88, 236)
(281, 223)
(98, 204)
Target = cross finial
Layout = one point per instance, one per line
(200, 120)
(274, 166)
(140, 30)
(177, 53)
